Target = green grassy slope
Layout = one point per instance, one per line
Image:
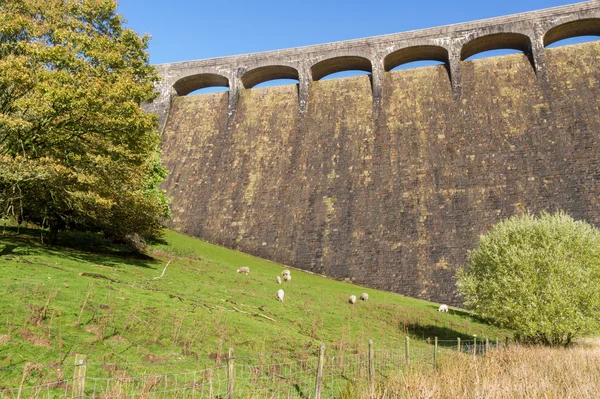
(198, 307)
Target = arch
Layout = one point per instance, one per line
(581, 27)
(496, 41)
(415, 53)
(339, 64)
(263, 74)
(192, 83)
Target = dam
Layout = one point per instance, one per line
(387, 179)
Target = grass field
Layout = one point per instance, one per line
(183, 301)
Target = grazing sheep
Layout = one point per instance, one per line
(287, 277)
(278, 279)
(364, 296)
(244, 270)
(285, 272)
(352, 299)
(443, 308)
(280, 295)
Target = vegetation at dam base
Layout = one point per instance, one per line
(177, 310)
(539, 276)
(516, 372)
(76, 148)
(184, 304)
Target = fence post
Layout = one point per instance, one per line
(474, 345)
(371, 368)
(435, 347)
(319, 379)
(458, 344)
(79, 376)
(230, 374)
(497, 343)
(407, 353)
(487, 345)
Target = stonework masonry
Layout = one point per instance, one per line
(387, 179)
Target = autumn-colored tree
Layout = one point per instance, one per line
(76, 148)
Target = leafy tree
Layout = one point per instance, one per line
(539, 276)
(76, 148)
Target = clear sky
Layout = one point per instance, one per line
(185, 30)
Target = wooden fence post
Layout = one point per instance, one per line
(230, 374)
(474, 346)
(497, 343)
(487, 345)
(458, 344)
(319, 380)
(407, 353)
(79, 376)
(371, 368)
(435, 347)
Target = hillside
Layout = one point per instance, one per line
(184, 302)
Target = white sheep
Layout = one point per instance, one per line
(352, 299)
(364, 296)
(285, 272)
(278, 279)
(280, 295)
(443, 308)
(244, 270)
(287, 277)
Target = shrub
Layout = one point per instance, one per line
(539, 276)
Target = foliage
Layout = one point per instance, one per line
(76, 148)
(539, 276)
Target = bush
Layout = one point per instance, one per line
(539, 276)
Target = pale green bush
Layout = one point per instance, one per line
(539, 276)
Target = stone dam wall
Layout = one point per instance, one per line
(389, 194)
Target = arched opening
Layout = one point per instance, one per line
(415, 57)
(276, 82)
(208, 90)
(573, 32)
(338, 67)
(496, 44)
(195, 84)
(272, 75)
(416, 64)
(573, 40)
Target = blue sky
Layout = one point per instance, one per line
(185, 30)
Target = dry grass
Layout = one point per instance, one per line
(514, 372)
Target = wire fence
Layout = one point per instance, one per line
(321, 374)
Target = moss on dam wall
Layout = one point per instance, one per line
(391, 197)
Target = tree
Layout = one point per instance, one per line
(539, 276)
(76, 148)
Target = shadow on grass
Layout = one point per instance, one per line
(446, 336)
(463, 313)
(83, 246)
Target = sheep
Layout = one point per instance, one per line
(443, 308)
(364, 296)
(280, 295)
(352, 299)
(285, 272)
(278, 279)
(244, 270)
(287, 277)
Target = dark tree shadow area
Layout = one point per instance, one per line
(446, 336)
(463, 313)
(83, 246)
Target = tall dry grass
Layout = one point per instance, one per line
(513, 372)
